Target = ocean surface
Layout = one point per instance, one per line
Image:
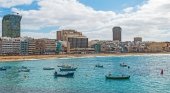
(144, 71)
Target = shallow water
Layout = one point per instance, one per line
(144, 71)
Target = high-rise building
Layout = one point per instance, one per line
(11, 25)
(137, 39)
(117, 33)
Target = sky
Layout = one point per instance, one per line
(149, 19)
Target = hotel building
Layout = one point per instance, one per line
(117, 33)
(11, 25)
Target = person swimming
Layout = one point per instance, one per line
(162, 72)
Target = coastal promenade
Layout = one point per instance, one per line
(41, 57)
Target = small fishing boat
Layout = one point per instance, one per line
(99, 66)
(23, 67)
(123, 65)
(64, 66)
(7, 67)
(68, 69)
(117, 77)
(3, 69)
(24, 70)
(48, 68)
(63, 74)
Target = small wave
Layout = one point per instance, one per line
(32, 59)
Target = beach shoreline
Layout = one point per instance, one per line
(44, 57)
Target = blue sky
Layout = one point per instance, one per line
(95, 18)
(112, 5)
(101, 5)
(31, 6)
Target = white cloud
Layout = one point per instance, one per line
(129, 9)
(37, 35)
(151, 20)
(10, 3)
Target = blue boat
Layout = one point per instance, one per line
(63, 74)
(68, 69)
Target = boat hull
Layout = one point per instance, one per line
(24, 70)
(99, 66)
(3, 69)
(123, 65)
(70, 74)
(117, 77)
(48, 68)
(68, 69)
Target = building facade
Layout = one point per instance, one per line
(137, 39)
(117, 33)
(0, 46)
(11, 26)
(58, 47)
(31, 47)
(74, 41)
(24, 48)
(97, 48)
(50, 46)
(78, 42)
(45, 46)
(10, 46)
(64, 34)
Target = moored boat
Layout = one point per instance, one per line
(48, 68)
(99, 66)
(63, 74)
(23, 67)
(64, 66)
(24, 70)
(3, 69)
(123, 65)
(7, 67)
(117, 77)
(68, 69)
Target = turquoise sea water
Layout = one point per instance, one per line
(144, 71)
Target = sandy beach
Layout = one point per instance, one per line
(41, 57)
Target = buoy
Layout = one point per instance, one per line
(162, 72)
